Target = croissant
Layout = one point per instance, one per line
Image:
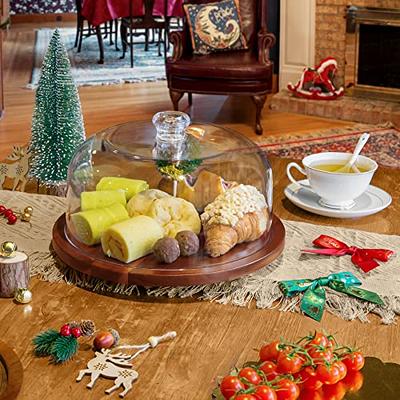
(238, 215)
(222, 238)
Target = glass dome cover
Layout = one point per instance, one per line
(196, 162)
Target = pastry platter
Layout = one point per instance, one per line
(147, 271)
(167, 203)
(11, 373)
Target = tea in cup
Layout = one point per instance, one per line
(336, 189)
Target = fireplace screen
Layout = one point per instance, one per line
(379, 56)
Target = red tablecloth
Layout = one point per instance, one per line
(99, 11)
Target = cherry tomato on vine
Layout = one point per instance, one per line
(270, 351)
(308, 394)
(354, 361)
(245, 397)
(328, 374)
(269, 368)
(353, 381)
(230, 385)
(319, 339)
(334, 392)
(289, 363)
(287, 390)
(264, 392)
(331, 343)
(320, 355)
(249, 376)
(342, 368)
(309, 379)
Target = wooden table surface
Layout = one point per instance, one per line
(212, 338)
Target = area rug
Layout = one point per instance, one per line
(148, 65)
(260, 287)
(383, 145)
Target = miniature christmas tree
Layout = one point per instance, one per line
(57, 125)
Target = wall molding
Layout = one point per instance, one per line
(297, 39)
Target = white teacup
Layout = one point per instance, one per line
(337, 190)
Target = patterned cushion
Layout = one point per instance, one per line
(215, 26)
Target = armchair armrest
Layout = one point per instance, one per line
(179, 42)
(265, 41)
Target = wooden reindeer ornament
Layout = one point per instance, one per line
(117, 366)
(17, 170)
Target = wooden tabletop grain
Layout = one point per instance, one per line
(212, 338)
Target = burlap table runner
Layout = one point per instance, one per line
(261, 286)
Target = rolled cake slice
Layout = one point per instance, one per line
(89, 225)
(130, 186)
(131, 239)
(105, 198)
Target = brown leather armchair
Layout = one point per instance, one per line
(239, 72)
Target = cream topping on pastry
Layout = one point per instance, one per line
(232, 205)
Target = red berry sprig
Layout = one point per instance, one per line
(12, 217)
(9, 214)
(66, 330)
(76, 332)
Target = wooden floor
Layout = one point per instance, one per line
(104, 106)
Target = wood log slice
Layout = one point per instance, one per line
(14, 274)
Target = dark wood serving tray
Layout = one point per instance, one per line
(147, 271)
(11, 373)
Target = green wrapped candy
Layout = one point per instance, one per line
(105, 198)
(130, 186)
(89, 225)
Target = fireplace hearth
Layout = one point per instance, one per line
(373, 53)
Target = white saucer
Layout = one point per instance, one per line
(370, 202)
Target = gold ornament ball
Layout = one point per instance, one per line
(23, 295)
(28, 210)
(25, 217)
(8, 249)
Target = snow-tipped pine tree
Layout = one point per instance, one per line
(57, 124)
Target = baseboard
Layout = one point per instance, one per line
(53, 17)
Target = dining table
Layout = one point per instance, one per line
(98, 12)
(212, 338)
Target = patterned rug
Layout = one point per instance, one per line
(148, 65)
(383, 145)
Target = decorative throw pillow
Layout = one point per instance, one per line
(215, 26)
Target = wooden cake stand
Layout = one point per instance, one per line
(11, 373)
(147, 271)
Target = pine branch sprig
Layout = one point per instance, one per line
(43, 342)
(63, 349)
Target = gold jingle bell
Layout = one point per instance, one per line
(8, 249)
(28, 210)
(25, 216)
(23, 295)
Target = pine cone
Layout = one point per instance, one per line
(87, 327)
(115, 335)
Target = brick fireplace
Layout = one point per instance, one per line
(330, 27)
(332, 37)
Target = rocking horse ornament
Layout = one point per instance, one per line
(316, 83)
(117, 366)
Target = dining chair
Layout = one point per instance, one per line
(107, 29)
(134, 25)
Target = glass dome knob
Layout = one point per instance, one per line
(171, 125)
